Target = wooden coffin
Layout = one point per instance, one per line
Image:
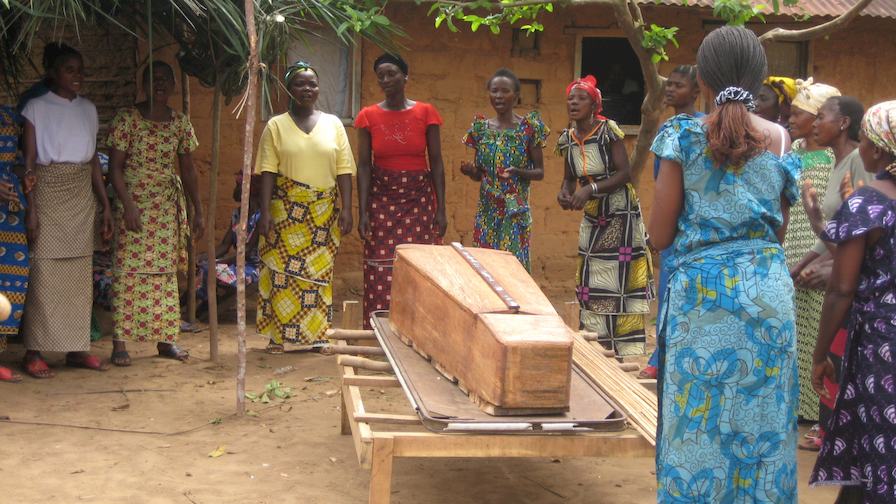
(509, 361)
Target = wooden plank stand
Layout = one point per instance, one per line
(377, 445)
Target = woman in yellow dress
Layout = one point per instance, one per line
(304, 155)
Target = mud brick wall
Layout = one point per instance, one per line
(450, 70)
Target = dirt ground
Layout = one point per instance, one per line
(151, 443)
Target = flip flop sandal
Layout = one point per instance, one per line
(274, 349)
(813, 433)
(121, 358)
(36, 367)
(172, 351)
(648, 373)
(9, 376)
(810, 444)
(88, 362)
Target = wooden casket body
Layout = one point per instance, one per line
(509, 361)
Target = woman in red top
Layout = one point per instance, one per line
(401, 196)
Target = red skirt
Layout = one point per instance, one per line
(401, 209)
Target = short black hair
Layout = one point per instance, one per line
(852, 108)
(158, 64)
(391, 58)
(507, 74)
(55, 53)
(689, 71)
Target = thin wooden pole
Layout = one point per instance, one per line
(191, 245)
(248, 142)
(211, 284)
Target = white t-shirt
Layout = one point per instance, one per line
(65, 129)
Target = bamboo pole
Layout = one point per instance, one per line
(211, 284)
(191, 244)
(248, 142)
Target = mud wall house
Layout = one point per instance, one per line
(450, 70)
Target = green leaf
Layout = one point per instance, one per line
(380, 20)
(655, 57)
(495, 29)
(549, 7)
(475, 25)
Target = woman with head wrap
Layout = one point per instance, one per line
(614, 278)
(401, 179)
(857, 451)
(508, 157)
(148, 142)
(303, 157)
(807, 257)
(774, 99)
(727, 380)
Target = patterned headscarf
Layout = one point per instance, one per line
(784, 87)
(879, 125)
(298, 66)
(589, 85)
(810, 96)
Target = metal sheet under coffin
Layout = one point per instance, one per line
(444, 407)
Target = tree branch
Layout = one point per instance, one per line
(630, 20)
(782, 35)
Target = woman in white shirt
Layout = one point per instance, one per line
(60, 141)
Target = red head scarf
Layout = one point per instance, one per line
(589, 84)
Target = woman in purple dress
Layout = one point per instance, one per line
(858, 449)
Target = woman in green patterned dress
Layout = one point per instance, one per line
(148, 141)
(508, 156)
(807, 257)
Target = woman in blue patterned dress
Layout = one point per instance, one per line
(508, 156)
(727, 381)
(860, 440)
(13, 245)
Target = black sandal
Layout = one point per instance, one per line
(172, 351)
(121, 358)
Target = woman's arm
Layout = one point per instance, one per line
(344, 182)
(191, 185)
(622, 176)
(132, 217)
(267, 191)
(837, 301)
(805, 261)
(567, 186)
(364, 169)
(437, 171)
(781, 232)
(30, 142)
(536, 155)
(99, 189)
(668, 200)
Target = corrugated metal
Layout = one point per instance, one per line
(816, 8)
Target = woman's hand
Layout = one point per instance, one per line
(813, 208)
(28, 181)
(471, 170)
(564, 199)
(106, 229)
(821, 370)
(364, 230)
(198, 225)
(506, 173)
(133, 221)
(846, 188)
(816, 274)
(32, 225)
(265, 226)
(345, 221)
(441, 222)
(8, 192)
(581, 196)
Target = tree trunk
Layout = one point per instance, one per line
(248, 142)
(211, 283)
(822, 30)
(191, 245)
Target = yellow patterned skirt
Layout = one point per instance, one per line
(295, 293)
